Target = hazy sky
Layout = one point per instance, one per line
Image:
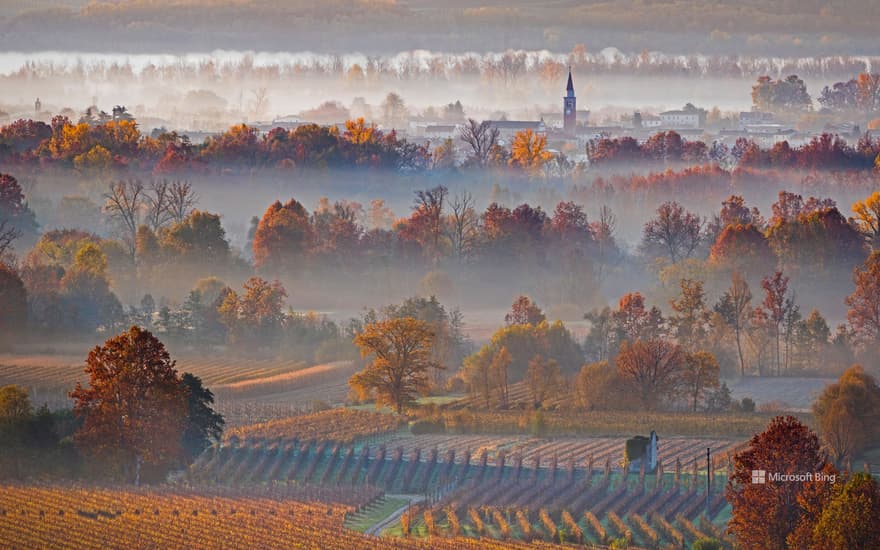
(765, 27)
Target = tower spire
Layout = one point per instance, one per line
(569, 106)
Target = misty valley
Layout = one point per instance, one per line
(571, 291)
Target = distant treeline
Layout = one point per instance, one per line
(826, 151)
(118, 146)
(506, 66)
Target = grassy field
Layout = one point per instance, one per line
(374, 512)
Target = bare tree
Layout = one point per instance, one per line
(124, 205)
(7, 235)
(157, 200)
(674, 230)
(430, 203)
(481, 136)
(603, 232)
(463, 232)
(181, 200)
(735, 307)
(260, 103)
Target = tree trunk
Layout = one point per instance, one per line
(777, 350)
(137, 470)
(739, 349)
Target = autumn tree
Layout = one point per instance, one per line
(16, 414)
(401, 351)
(699, 373)
(764, 515)
(691, 318)
(13, 301)
(134, 407)
(85, 291)
(598, 387)
(848, 414)
(868, 92)
(443, 155)
(394, 111)
(524, 312)
(283, 238)
(522, 342)
(199, 239)
(256, 316)
(788, 94)
(16, 218)
(96, 161)
(673, 232)
(528, 150)
(450, 343)
(864, 302)
(633, 320)
(15, 404)
(742, 248)
(601, 342)
(500, 371)
(776, 303)
(476, 373)
(734, 306)
(652, 369)
(428, 216)
(812, 338)
(543, 376)
(849, 520)
(868, 219)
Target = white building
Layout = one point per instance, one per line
(679, 119)
(650, 456)
(752, 118)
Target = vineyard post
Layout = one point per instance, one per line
(708, 477)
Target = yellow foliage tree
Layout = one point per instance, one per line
(121, 137)
(359, 132)
(98, 159)
(71, 141)
(529, 150)
(868, 216)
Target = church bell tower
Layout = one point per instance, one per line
(569, 117)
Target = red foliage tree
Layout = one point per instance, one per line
(134, 408)
(766, 514)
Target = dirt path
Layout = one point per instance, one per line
(380, 526)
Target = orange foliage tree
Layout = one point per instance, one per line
(402, 357)
(864, 302)
(652, 369)
(848, 414)
(283, 237)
